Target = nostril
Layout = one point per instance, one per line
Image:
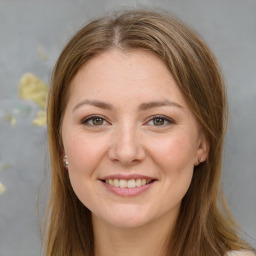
(126, 154)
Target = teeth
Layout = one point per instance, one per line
(127, 183)
(138, 182)
(116, 183)
(123, 183)
(131, 183)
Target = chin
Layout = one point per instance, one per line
(129, 223)
(124, 219)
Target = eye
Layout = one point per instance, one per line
(94, 121)
(160, 121)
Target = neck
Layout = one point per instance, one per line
(148, 240)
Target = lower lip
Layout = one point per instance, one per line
(128, 192)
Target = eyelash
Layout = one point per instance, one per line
(167, 120)
(91, 118)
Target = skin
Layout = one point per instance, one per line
(127, 139)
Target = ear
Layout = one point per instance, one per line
(203, 148)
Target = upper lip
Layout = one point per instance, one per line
(127, 177)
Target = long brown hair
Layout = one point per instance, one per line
(204, 225)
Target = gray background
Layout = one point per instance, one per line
(229, 27)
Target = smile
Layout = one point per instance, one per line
(132, 183)
(128, 186)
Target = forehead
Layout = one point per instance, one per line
(133, 74)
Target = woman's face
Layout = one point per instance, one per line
(131, 140)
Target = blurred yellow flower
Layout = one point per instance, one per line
(2, 188)
(32, 88)
(40, 119)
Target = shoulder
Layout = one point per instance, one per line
(240, 253)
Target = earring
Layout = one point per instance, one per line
(199, 160)
(65, 160)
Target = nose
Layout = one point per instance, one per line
(126, 146)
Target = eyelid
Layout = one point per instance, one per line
(165, 118)
(90, 117)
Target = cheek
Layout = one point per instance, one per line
(175, 151)
(84, 155)
(174, 157)
(84, 152)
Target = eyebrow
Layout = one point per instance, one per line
(153, 104)
(96, 103)
(142, 107)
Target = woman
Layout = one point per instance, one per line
(136, 120)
